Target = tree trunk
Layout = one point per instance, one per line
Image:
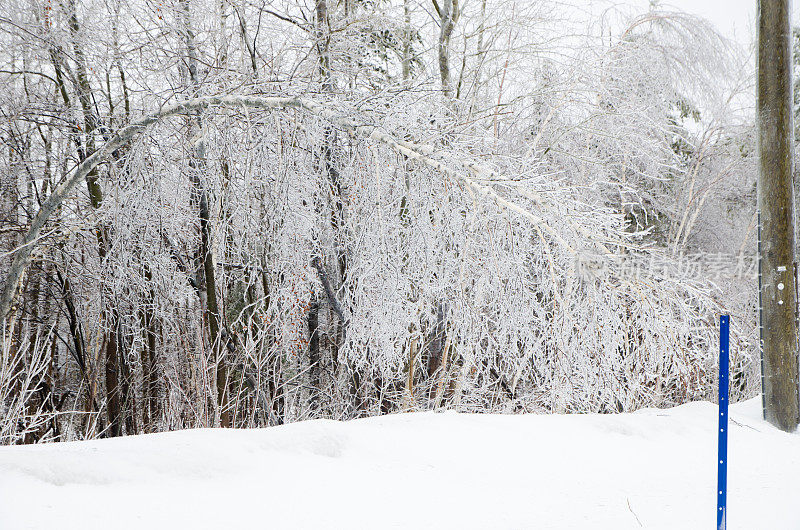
(206, 250)
(315, 371)
(407, 36)
(447, 19)
(114, 362)
(112, 384)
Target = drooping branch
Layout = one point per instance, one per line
(81, 171)
(470, 176)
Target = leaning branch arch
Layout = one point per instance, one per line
(471, 174)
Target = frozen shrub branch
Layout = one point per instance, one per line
(129, 133)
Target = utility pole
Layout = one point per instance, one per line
(776, 207)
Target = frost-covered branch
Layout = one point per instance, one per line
(129, 133)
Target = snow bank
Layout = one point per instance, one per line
(650, 469)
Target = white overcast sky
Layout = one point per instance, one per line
(734, 18)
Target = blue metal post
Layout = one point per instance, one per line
(722, 469)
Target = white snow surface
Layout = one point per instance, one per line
(650, 469)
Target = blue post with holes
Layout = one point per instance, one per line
(722, 469)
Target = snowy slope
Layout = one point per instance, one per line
(651, 469)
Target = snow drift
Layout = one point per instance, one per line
(650, 469)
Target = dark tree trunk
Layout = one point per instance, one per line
(113, 409)
(313, 352)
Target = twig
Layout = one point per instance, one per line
(634, 513)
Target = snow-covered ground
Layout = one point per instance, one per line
(650, 469)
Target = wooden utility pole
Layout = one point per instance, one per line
(776, 205)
